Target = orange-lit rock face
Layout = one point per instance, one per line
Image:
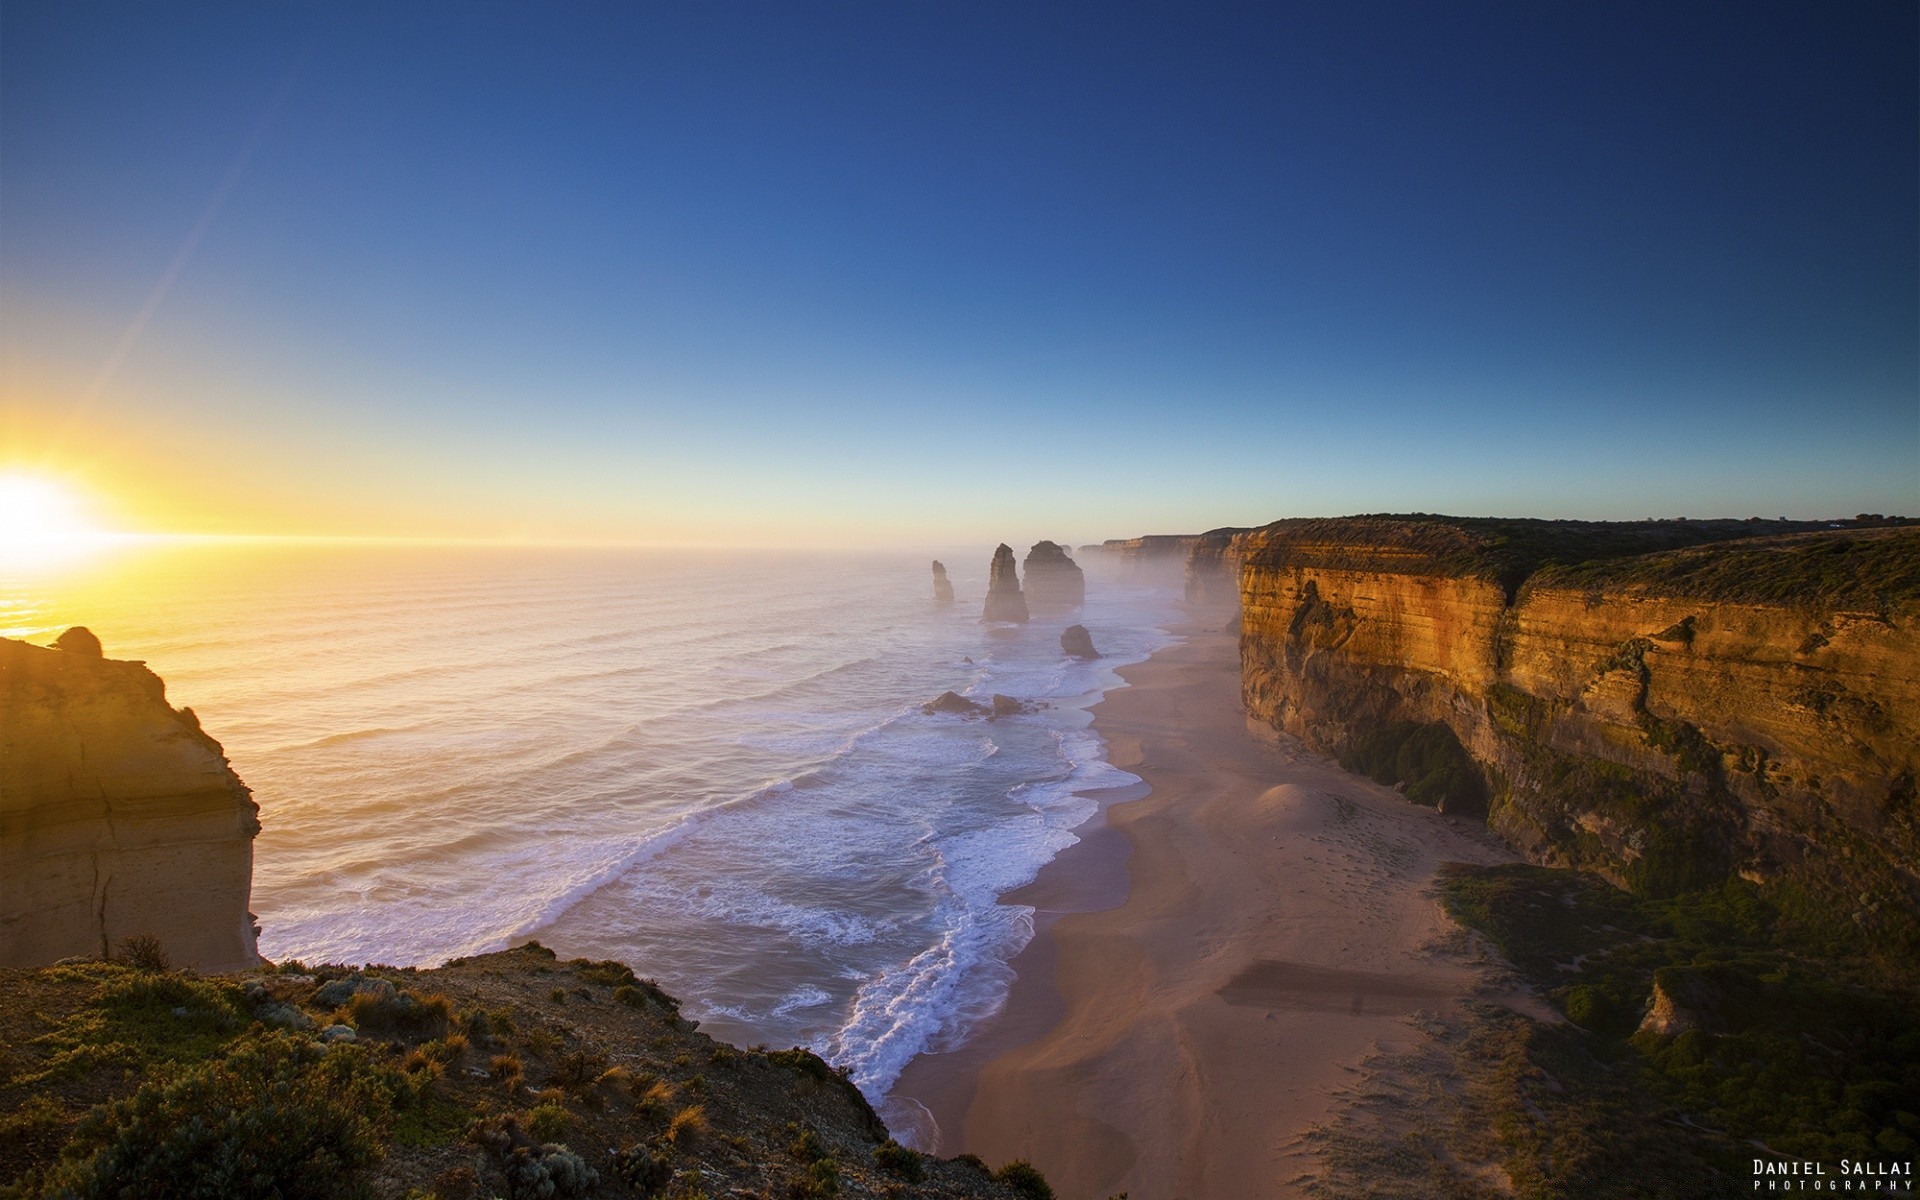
(118, 817)
(1664, 740)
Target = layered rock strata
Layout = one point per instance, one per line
(1051, 579)
(1004, 599)
(118, 816)
(1155, 558)
(1670, 720)
(942, 586)
(1213, 568)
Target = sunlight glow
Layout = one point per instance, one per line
(43, 525)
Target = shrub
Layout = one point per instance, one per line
(636, 1167)
(607, 973)
(579, 1069)
(687, 1126)
(275, 1117)
(547, 1121)
(1025, 1178)
(401, 1015)
(894, 1157)
(548, 1172)
(505, 1070)
(143, 952)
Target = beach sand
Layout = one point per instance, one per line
(1213, 963)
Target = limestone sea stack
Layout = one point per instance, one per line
(942, 586)
(1052, 579)
(118, 816)
(1004, 601)
(1075, 640)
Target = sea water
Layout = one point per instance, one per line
(713, 766)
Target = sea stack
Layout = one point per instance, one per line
(1004, 601)
(942, 586)
(121, 818)
(1075, 640)
(1053, 579)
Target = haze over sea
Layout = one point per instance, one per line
(712, 765)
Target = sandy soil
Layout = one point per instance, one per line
(1212, 967)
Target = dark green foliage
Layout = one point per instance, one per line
(401, 1015)
(1792, 1045)
(894, 1157)
(1025, 1178)
(144, 953)
(547, 1173)
(275, 1118)
(1871, 569)
(1428, 759)
(607, 973)
(972, 1160)
(823, 1179)
(637, 1167)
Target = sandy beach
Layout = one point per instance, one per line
(1211, 964)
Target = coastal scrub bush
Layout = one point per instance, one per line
(579, 1069)
(400, 1015)
(548, 1120)
(687, 1126)
(1025, 1178)
(275, 1117)
(1428, 759)
(894, 1157)
(143, 952)
(550, 1172)
(636, 1166)
(607, 973)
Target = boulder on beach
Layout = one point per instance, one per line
(953, 702)
(1075, 640)
(942, 586)
(1052, 579)
(1004, 601)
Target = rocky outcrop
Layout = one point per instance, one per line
(1052, 580)
(118, 816)
(1155, 558)
(1213, 568)
(1670, 719)
(955, 704)
(1004, 600)
(1076, 641)
(942, 586)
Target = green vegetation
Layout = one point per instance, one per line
(1025, 1178)
(1770, 1040)
(1501, 550)
(1875, 570)
(273, 1116)
(1428, 759)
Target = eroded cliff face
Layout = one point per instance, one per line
(118, 816)
(1213, 568)
(1155, 558)
(1668, 720)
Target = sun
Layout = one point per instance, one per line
(43, 524)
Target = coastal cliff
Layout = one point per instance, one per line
(1213, 567)
(1678, 709)
(119, 817)
(1155, 558)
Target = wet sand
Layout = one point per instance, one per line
(1211, 965)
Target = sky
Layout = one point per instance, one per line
(899, 274)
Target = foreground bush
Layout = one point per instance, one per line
(276, 1118)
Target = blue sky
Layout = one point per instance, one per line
(906, 273)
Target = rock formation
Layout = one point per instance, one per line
(1155, 558)
(1213, 568)
(1004, 601)
(955, 703)
(1075, 640)
(1008, 706)
(1053, 580)
(1667, 719)
(942, 586)
(118, 816)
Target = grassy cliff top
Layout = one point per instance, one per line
(1862, 569)
(1507, 551)
(511, 1075)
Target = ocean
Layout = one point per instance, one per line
(710, 765)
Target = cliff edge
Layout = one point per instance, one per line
(1668, 704)
(118, 816)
